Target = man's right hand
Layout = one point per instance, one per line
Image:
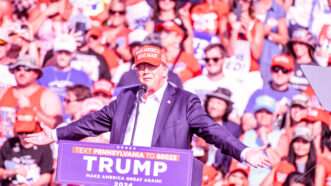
(41, 138)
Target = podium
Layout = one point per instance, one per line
(120, 165)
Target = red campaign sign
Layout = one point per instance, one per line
(120, 165)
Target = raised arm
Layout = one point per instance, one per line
(90, 125)
(218, 135)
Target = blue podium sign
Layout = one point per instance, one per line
(119, 165)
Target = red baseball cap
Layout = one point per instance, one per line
(26, 121)
(283, 60)
(95, 31)
(103, 86)
(239, 167)
(149, 54)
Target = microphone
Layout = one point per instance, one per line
(142, 90)
(140, 93)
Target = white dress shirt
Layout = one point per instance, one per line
(148, 110)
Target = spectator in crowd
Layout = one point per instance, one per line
(264, 134)
(117, 31)
(168, 11)
(103, 90)
(48, 20)
(297, 179)
(89, 57)
(58, 77)
(213, 78)
(137, 22)
(22, 163)
(179, 60)
(238, 174)
(272, 14)
(288, 121)
(5, 12)
(316, 120)
(79, 102)
(20, 41)
(203, 152)
(299, 13)
(320, 15)
(7, 79)
(325, 157)
(282, 67)
(298, 110)
(209, 24)
(211, 177)
(302, 157)
(323, 52)
(21, 9)
(246, 37)
(302, 47)
(73, 101)
(218, 105)
(29, 95)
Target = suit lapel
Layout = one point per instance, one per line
(163, 113)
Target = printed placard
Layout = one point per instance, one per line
(120, 165)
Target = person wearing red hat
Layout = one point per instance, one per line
(162, 107)
(29, 94)
(90, 56)
(102, 90)
(22, 163)
(238, 174)
(318, 121)
(108, 58)
(179, 60)
(282, 67)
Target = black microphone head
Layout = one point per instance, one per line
(143, 88)
(141, 91)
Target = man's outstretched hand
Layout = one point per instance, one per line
(258, 157)
(41, 138)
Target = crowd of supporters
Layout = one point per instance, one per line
(62, 59)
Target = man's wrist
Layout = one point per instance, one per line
(243, 154)
(54, 135)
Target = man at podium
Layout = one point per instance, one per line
(155, 114)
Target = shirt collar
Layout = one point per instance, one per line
(158, 95)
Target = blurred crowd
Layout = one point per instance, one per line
(62, 59)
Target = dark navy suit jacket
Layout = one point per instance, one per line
(179, 117)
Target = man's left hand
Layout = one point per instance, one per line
(258, 157)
